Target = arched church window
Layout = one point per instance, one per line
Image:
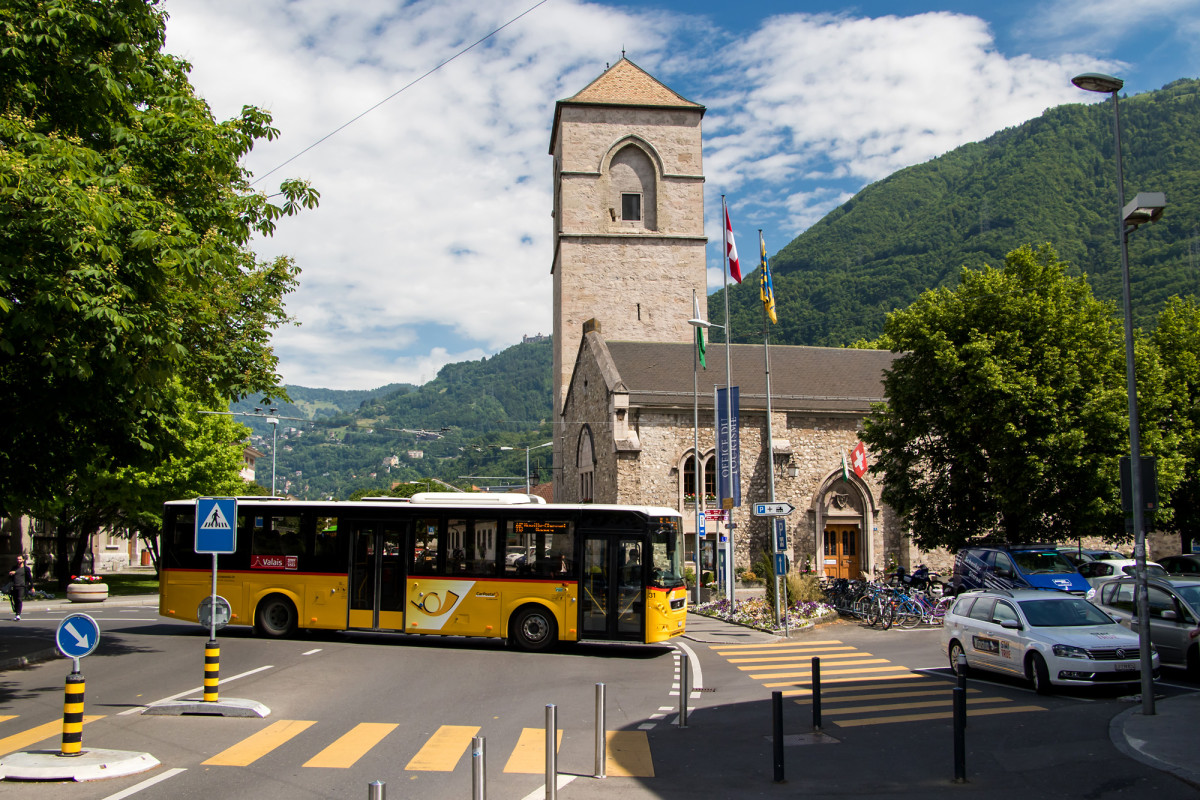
(585, 465)
(633, 180)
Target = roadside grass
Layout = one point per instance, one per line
(121, 585)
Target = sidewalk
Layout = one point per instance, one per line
(31, 640)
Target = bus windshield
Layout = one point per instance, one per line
(666, 566)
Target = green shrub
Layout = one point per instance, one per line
(765, 566)
(803, 588)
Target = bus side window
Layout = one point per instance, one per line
(425, 547)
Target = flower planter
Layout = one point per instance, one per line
(87, 592)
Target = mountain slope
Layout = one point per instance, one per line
(1052, 179)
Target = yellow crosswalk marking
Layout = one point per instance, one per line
(931, 691)
(855, 723)
(19, 741)
(7, 717)
(627, 755)
(351, 746)
(807, 673)
(443, 750)
(254, 747)
(783, 656)
(941, 703)
(767, 648)
(529, 756)
(853, 682)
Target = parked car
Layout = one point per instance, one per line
(1015, 567)
(1186, 564)
(1048, 637)
(1096, 571)
(1082, 555)
(1174, 616)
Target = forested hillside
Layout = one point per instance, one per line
(349, 441)
(1052, 179)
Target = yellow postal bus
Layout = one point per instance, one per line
(500, 565)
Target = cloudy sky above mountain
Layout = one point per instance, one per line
(432, 243)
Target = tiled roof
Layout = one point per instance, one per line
(830, 379)
(627, 84)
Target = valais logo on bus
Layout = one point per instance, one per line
(274, 562)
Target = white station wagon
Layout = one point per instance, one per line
(1047, 637)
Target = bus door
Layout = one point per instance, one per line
(376, 575)
(612, 593)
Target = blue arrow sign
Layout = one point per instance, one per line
(77, 636)
(216, 524)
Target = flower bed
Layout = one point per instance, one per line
(755, 613)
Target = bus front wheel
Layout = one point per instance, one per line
(276, 617)
(533, 628)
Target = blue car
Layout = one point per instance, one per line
(1015, 567)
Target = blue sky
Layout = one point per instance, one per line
(432, 244)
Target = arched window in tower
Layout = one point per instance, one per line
(585, 465)
(633, 181)
(710, 478)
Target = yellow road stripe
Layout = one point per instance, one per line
(807, 673)
(941, 702)
(529, 756)
(7, 717)
(444, 749)
(806, 668)
(19, 741)
(627, 755)
(254, 747)
(852, 681)
(800, 657)
(766, 648)
(887, 695)
(352, 746)
(855, 723)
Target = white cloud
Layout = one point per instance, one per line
(434, 224)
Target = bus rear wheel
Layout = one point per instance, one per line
(276, 617)
(533, 628)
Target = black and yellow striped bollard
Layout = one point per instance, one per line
(212, 670)
(72, 738)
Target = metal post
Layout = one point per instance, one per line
(601, 733)
(961, 664)
(960, 737)
(777, 734)
(551, 752)
(816, 692)
(376, 790)
(72, 735)
(212, 669)
(685, 679)
(478, 773)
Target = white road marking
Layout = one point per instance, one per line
(222, 682)
(146, 784)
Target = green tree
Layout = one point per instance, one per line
(1177, 340)
(1007, 412)
(125, 270)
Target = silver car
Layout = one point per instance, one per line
(1174, 617)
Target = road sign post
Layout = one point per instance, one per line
(77, 636)
(773, 509)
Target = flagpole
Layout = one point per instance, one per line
(730, 550)
(780, 609)
(696, 484)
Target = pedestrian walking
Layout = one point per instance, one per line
(19, 584)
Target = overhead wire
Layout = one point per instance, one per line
(407, 86)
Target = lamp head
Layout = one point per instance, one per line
(1098, 82)
(1145, 207)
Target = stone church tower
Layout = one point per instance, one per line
(629, 244)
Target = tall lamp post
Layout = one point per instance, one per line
(1146, 207)
(528, 487)
(697, 322)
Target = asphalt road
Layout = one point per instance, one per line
(348, 710)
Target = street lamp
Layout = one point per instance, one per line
(1146, 207)
(528, 488)
(274, 423)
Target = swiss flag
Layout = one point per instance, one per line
(859, 459)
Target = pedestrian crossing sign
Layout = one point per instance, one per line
(216, 524)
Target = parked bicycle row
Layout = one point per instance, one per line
(886, 604)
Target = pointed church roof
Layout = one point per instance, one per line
(627, 84)
(623, 84)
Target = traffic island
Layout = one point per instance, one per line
(88, 765)
(229, 707)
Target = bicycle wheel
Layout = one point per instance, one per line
(938, 615)
(909, 614)
(886, 612)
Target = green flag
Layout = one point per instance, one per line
(700, 346)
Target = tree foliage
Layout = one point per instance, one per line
(1006, 414)
(1177, 340)
(125, 271)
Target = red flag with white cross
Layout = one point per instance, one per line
(859, 459)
